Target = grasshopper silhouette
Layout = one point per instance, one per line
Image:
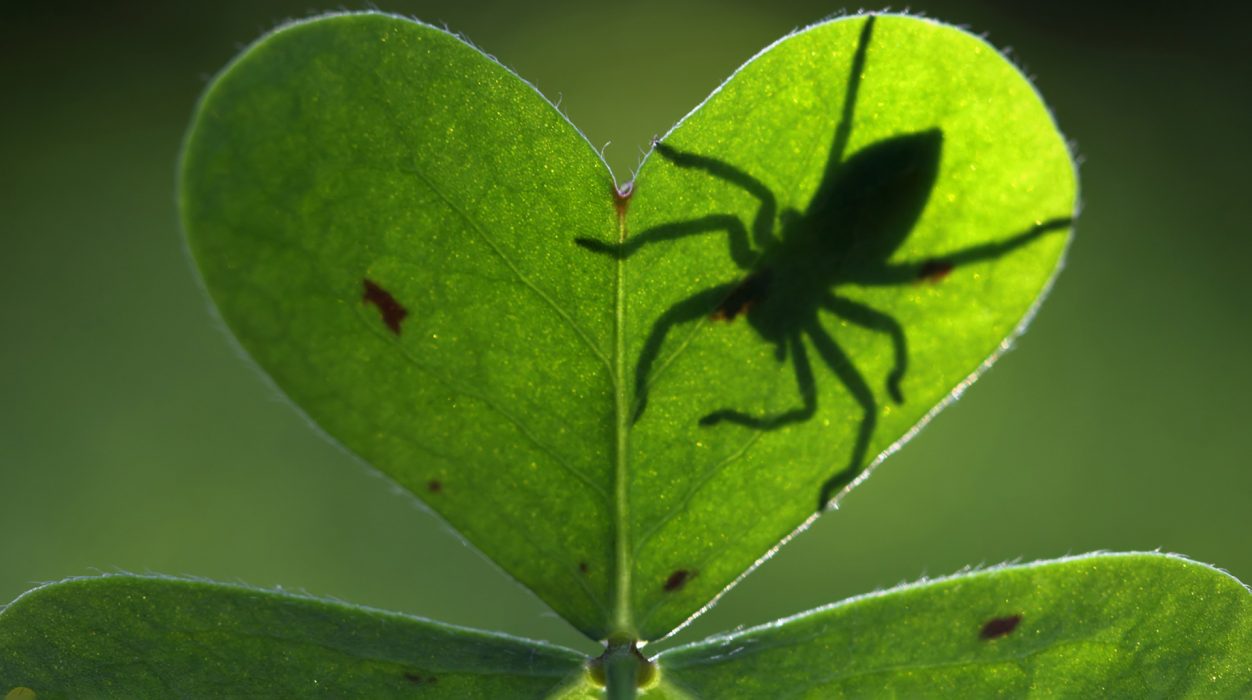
(861, 213)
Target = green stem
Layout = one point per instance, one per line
(621, 672)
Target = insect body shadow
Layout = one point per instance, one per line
(862, 211)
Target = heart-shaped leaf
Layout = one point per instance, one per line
(625, 398)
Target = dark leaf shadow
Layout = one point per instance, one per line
(861, 213)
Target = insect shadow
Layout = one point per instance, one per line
(861, 213)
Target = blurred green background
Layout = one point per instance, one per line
(133, 437)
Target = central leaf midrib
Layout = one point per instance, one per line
(622, 626)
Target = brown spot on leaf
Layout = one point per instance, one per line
(583, 567)
(419, 679)
(933, 271)
(393, 313)
(621, 197)
(742, 298)
(678, 579)
(728, 312)
(434, 486)
(998, 627)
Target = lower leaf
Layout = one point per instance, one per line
(1108, 625)
(153, 637)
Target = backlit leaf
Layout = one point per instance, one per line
(149, 637)
(624, 398)
(1107, 626)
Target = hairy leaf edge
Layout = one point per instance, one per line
(295, 596)
(962, 575)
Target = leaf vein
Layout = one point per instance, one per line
(492, 405)
(703, 479)
(526, 281)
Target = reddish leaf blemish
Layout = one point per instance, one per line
(677, 580)
(743, 298)
(621, 197)
(934, 271)
(999, 626)
(392, 312)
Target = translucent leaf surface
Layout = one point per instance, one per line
(817, 257)
(385, 218)
(624, 398)
(146, 637)
(1124, 626)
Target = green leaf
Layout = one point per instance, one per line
(1114, 625)
(385, 218)
(148, 637)
(904, 194)
(430, 261)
